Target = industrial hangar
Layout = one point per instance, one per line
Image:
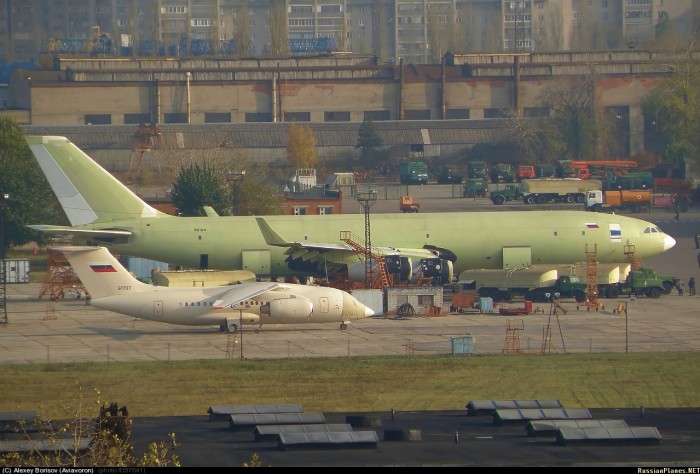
(434, 109)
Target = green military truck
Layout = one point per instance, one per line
(477, 170)
(474, 188)
(535, 283)
(413, 172)
(510, 192)
(642, 282)
(502, 173)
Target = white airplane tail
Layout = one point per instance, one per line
(85, 190)
(101, 273)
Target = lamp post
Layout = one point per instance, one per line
(3, 271)
(188, 76)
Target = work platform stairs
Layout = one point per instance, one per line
(376, 273)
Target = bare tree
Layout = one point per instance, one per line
(279, 44)
(244, 41)
(571, 104)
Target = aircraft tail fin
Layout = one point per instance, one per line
(85, 190)
(100, 272)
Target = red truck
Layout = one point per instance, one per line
(525, 172)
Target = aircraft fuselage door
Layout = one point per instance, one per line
(323, 304)
(158, 309)
(517, 257)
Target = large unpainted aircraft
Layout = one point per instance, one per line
(103, 211)
(112, 287)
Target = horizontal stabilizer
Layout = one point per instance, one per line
(58, 229)
(210, 212)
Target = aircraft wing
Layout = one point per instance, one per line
(238, 293)
(321, 250)
(58, 229)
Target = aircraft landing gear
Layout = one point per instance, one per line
(343, 326)
(228, 327)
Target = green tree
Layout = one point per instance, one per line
(30, 200)
(199, 185)
(301, 147)
(672, 112)
(252, 196)
(368, 141)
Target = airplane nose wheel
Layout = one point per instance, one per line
(343, 326)
(228, 329)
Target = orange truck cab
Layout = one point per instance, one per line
(525, 172)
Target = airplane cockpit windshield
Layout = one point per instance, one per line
(653, 230)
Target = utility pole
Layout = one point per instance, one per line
(3, 267)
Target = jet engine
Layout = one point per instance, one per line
(293, 308)
(400, 267)
(406, 270)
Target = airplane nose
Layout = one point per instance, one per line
(354, 308)
(669, 242)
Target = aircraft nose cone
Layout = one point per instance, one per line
(354, 308)
(669, 242)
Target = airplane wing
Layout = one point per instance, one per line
(58, 229)
(320, 250)
(241, 292)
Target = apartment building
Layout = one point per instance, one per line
(414, 31)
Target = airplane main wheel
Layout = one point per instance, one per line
(343, 326)
(233, 328)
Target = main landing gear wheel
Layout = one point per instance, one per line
(230, 329)
(343, 326)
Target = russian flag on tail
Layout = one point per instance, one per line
(592, 225)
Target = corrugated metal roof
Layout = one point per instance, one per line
(274, 135)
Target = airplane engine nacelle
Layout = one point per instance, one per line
(396, 265)
(400, 267)
(247, 318)
(440, 270)
(295, 307)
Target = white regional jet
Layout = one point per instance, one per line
(112, 287)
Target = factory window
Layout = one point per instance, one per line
(426, 300)
(258, 117)
(417, 114)
(456, 114)
(336, 116)
(495, 113)
(136, 118)
(217, 117)
(377, 115)
(98, 119)
(299, 211)
(297, 116)
(175, 117)
(323, 210)
(535, 112)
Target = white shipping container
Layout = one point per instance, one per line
(16, 270)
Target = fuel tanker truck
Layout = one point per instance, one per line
(622, 200)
